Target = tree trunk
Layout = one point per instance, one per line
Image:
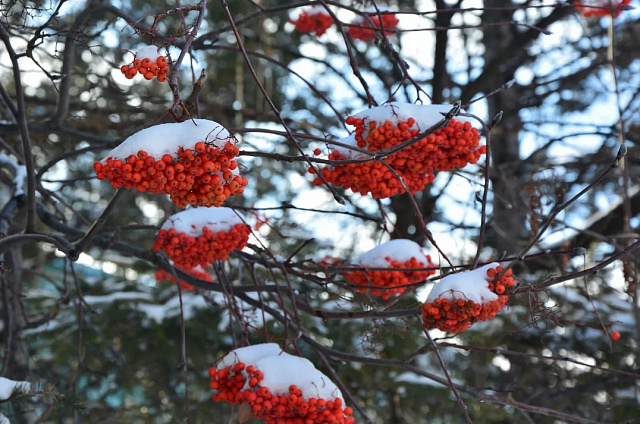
(507, 231)
(16, 354)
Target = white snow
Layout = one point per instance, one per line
(349, 140)
(191, 221)
(7, 387)
(426, 116)
(20, 173)
(18, 181)
(317, 10)
(191, 302)
(281, 370)
(470, 285)
(599, 3)
(113, 297)
(412, 378)
(148, 52)
(167, 138)
(400, 250)
(4, 420)
(249, 355)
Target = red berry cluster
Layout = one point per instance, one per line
(274, 408)
(391, 281)
(317, 22)
(188, 252)
(454, 146)
(389, 23)
(455, 315)
(203, 176)
(147, 68)
(197, 272)
(328, 261)
(589, 11)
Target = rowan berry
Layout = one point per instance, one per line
(315, 20)
(202, 247)
(238, 382)
(451, 147)
(600, 8)
(197, 272)
(193, 170)
(385, 283)
(615, 335)
(454, 312)
(149, 66)
(366, 32)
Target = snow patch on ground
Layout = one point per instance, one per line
(113, 297)
(158, 313)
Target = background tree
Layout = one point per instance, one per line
(84, 317)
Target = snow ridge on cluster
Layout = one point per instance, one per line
(461, 299)
(397, 255)
(278, 387)
(200, 236)
(385, 127)
(192, 161)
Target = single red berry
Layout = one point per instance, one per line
(615, 335)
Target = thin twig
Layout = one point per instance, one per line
(97, 225)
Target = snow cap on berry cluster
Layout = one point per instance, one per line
(191, 221)
(148, 52)
(400, 250)
(281, 370)
(167, 138)
(426, 116)
(470, 285)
